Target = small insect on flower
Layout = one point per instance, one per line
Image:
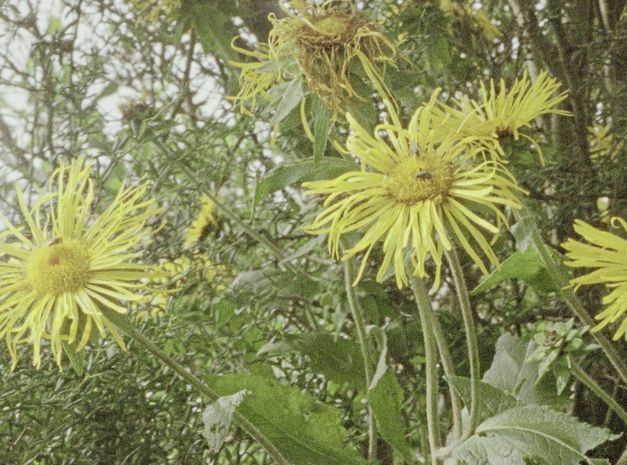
(414, 202)
(319, 43)
(607, 253)
(58, 275)
(502, 114)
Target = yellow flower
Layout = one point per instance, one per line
(465, 15)
(607, 253)
(504, 113)
(603, 144)
(204, 221)
(151, 10)
(414, 193)
(56, 277)
(321, 44)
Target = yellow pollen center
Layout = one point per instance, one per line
(420, 178)
(59, 268)
(333, 25)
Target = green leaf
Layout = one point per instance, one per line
(290, 99)
(77, 359)
(339, 360)
(217, 419)
(526, 266)
(303, 429)
(322, 125)
(493, 400)
(287, 175)
(512, 371)
(386, 399)
(529, 432)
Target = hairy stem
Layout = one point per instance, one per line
(122, 322)
(471, 339)
(575, 304)
(591, 384)
(447, 362)
(366, 354)
(431, 355)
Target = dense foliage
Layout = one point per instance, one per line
(247, 297)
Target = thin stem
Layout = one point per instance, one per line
(431, 355)
(122, 322)
(366, 354)
(591, 384)
(447, 362)
(574, 303)
(471, 339)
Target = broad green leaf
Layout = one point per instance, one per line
(287, 175)
(530, 432)
(493, 400)
(290, 99)
(339, 360)
(522, 265)
(304, 430)
(322, 125)
(217, 419)
(386, 399)
(513, 372)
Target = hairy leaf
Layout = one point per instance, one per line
(528, 432)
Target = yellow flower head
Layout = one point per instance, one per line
(203, 223)
(465, 16)
(151, 10)
(607, 253)
(414, 193)
(603, 144)
(503, 113)
(57, 276)
(321, 44)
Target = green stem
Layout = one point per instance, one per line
(228, 212)
(574, 303)
(447, 362)
(366, 354)
(433, 424)
(471, 339)
(591, 384)
(122, 322)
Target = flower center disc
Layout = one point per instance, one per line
(59, 268)
(331, 30)
(420, 178)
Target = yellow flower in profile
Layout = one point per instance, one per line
(414, 194)
(58, 275)
(203, 223)
(465, 15)
(319, 43)
(603, 144)
(607, 253)
(151, 10)
(504, 113)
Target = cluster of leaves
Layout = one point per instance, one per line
(278, 343)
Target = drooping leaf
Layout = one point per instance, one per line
(386, 399)
(217, 419)
(529, 432)
(287, 175)
(493, 400)
(291, 97)
(322, 124)
(305, 431)
(526, 266)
